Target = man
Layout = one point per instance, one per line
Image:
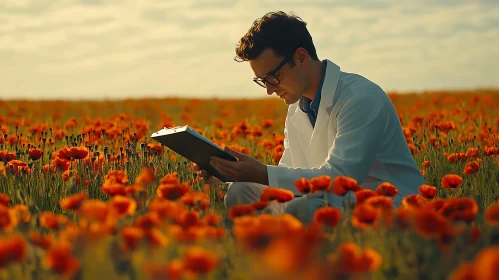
(337, 124)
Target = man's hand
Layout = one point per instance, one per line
(207, 177)
(246, 169)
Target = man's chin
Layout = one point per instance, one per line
(290, 101)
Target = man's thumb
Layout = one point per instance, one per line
(235, 154)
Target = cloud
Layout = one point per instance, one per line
(117, 49)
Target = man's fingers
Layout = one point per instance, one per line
(225, 171)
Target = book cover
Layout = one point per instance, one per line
(188, 143)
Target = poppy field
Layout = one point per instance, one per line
(85, 193)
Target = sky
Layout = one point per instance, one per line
(120, 49)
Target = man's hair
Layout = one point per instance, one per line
(276, 30)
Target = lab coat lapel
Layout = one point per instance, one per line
(318, 147)
(299, 137)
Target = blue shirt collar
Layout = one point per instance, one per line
(305, 103)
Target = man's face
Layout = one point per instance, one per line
(291, 78)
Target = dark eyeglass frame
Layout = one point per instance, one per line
(262, 81)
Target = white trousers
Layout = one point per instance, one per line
(303, 208)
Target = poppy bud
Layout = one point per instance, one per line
(5, 136)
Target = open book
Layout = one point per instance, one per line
(188, 143)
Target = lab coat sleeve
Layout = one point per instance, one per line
(360, 128)
(286, 159)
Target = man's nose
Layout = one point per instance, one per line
(270, 89)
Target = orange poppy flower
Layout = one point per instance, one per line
(277, 152)
(364, 194)
(486, 263)
(51, 220)
(199, 260)
(17, 167)
(7, 156)
(131, 237)
(60, 260)
(22, 212)
(465, 271)
(303, 185)
(451, 181)
(113, 189)
(172, 191)
(426, 163)
(116, 177)
(472, 152)
(281, 195)
(414, 201)
(451, 158)
(463, 209)
(35, 154)
(343, 184)
(402, 217)
(327, 216)
(94, 210)
(188, 218)
(322, 183)
(471, 168)
(387, 189)
(380, 202)
(61, 163)
(73, 201)
(428, 191)
(42, 241)
(173, 270)
(211, 219)
(429, 223)
(66, 175)
(364, 216)
(260, 205)
(268, 123)
(492, 215)
(13, 248)
(155, 238)
(198, 200)
(435, 204)
(4, 199)
(349, 259)
(122, 205)
(146, 176)
(148, 220)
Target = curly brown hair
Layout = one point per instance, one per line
(276, 30)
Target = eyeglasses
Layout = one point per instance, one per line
(271, 77)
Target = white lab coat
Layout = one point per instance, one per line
(357, 134)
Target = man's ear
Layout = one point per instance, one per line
(301, 56)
